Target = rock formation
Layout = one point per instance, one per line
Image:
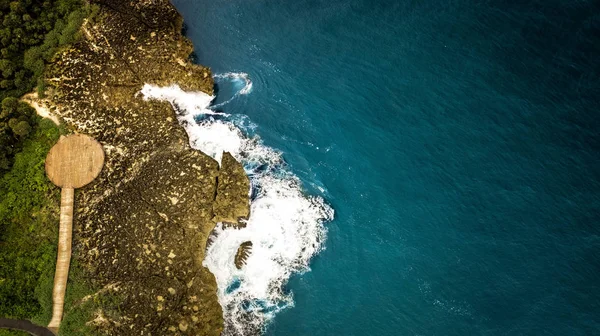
(242, 254)
(231, 205)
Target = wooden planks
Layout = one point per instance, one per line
(73, 162)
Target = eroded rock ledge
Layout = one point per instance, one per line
(231, 206)
(242, 254)
(142, 226)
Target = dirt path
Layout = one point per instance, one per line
(40, 107)
(26, 326)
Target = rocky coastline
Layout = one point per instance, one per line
(142, 227)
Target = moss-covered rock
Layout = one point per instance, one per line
(231, 206)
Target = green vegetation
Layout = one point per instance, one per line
(12, 333)
(16, 120)
(28, 233)
(28, 238)
(31, 32)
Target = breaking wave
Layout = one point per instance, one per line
(236, 78)
(285, 225)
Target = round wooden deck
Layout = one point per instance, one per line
(74, 161)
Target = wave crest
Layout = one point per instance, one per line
(285, 225)
(235, 77)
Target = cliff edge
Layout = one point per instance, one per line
(141, 228)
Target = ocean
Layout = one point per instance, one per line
(418, 167)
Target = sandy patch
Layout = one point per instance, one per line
(40, 106)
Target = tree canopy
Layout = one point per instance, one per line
(16, 121)
(31, 32)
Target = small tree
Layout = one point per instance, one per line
(9, 107)
(7, 68)
(22, 129)
(23, 109)
(41, 88)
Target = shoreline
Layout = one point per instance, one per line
(285, 230)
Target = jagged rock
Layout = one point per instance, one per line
(243, 252)
(231, 204)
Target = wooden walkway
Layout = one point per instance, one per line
(73, 162)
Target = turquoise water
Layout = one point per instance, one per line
(457, 141)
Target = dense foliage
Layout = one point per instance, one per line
(31, 31)
(16, 122)
(27, 241)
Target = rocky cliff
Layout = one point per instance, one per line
(142, 226)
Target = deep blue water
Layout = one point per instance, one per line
(458, 142)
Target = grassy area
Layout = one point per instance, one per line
(28, 229)
(78, 312)
(12, 333)
(29, 217)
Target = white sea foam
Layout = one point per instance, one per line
(195, 101)
(285, 225)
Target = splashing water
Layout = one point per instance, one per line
(285, 225)
(235, 77)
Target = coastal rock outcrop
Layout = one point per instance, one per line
(231, 206)
(148, 216)
(242, 254)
